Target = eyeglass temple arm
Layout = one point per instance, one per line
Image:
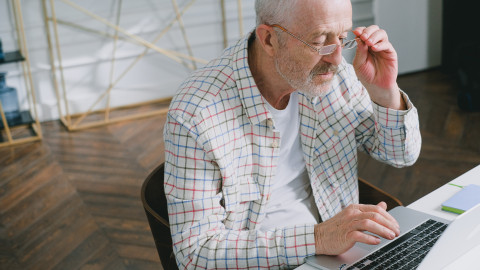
(297, 38)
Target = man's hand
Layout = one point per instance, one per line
(376, 65)
(341, 232)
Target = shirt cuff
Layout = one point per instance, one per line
(392, 118)
(299, 243)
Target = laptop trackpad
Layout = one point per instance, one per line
(335, 262)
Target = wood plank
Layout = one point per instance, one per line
(454, 125)
(108, 179)
(137, 252)
(23, 186)
(86, 186)
(122, 224)
(141, 264)
(84, 251)
(16, 160)
(23, 214)
(50, 222)
(98, 169)
(105, 258)
(130, 238)
(57, 245)
(115, 211)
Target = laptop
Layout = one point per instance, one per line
(425, 242)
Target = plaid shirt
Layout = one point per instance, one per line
(221, 155)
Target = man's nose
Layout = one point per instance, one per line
(334, 58)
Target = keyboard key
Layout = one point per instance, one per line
(407, 251)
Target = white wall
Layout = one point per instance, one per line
(415, 30)
(86, 56)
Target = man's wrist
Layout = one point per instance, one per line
(389, 98)
(317, 235)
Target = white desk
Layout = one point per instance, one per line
(432, 204)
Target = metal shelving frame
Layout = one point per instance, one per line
(77, 121)
(29, 118)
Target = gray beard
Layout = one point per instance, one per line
(307, 87)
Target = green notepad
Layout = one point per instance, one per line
(466, 198)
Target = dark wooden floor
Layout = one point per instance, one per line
(450, 140)
(73, 200)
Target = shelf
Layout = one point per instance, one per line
(26, 128)
(24, 119)
(12, 57)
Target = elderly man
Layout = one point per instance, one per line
(261, 143)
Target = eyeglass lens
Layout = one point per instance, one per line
(350, 44)
(329, 49)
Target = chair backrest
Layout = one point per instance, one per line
(370, 194)
(155, 205)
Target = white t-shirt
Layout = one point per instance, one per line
(291, 200)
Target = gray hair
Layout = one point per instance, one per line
(273, 11)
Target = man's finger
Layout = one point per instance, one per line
(376, 37)
(359, 30)
(364, 33)
(361, 54)
(365, 238)
(385, 47)
(377, 224)
(383, 205)
(380, 210)
(367, 32)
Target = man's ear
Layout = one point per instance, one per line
(267, 38)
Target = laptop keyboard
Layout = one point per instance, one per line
(407, 251)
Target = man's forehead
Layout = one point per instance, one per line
(322, 16)
(336, 28)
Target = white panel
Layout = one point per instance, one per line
(362, 10)
(415, 30)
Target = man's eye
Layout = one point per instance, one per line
(319, 43)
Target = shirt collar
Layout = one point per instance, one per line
(252, 100)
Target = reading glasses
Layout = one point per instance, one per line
(324, 50)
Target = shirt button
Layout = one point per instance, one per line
(269, 122)
(335, 132)
(275, 144)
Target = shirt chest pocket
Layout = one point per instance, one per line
(243, 192)
(336, 135)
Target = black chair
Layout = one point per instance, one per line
(155, 205)
(370, 194)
